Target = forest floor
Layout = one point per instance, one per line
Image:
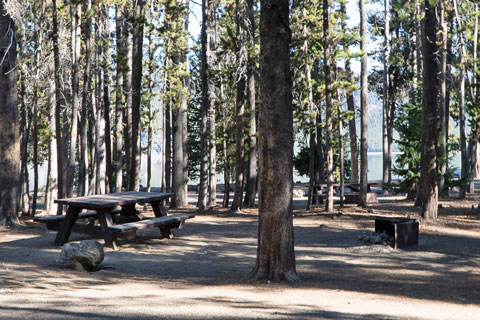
(200, 274)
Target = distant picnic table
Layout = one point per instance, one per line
(116, 215)
(320, 189)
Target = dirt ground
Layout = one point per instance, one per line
(199, 274)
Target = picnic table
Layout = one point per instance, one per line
(114, 223)
(319, 192)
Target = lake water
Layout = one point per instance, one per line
(375, 165)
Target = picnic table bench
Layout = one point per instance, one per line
(116, 215)
(319, 192)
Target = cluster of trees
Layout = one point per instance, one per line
(80, 79)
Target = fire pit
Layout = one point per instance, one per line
(403, 231)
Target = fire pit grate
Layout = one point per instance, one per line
(403, 231)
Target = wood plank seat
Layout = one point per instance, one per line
(165, 223)
(54, 222)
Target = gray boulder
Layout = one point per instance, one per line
(84, 255)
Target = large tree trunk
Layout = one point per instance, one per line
(9, 122)
(429, 115)
(100, 156)
(240, 106)
(275, 253)
(386, 54)
(251, 186)
(328, 108)
(362, 201)
(475, 161)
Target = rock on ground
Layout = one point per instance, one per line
(85, 255)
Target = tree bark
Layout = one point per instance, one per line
(205, 78)
(328, 107)
(385, 142)
(58, 108)
(83, 185)
(251, 186)
(137, 58)
(275, 254)
(363, 108)
(119, 101)
(9, 122)
(76, 56)
(51, 190)
(429, 114)
(442, 136)
(240, 106)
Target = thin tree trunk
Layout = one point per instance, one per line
(328, 107)
(417, 80)
(475, 161)
(58, 108)
(119, 102)
(363, 108)
(83, 165)
(99, 110)
(107, 62)
(76, 56)
(127, 90)
(275, 254)
(251, 186)
(240, 106)
(134, 181)
(26, 119)
(341, 156)
(442, 136)
(205, 78)
(51, 190)
(429, 115)
(386, 54)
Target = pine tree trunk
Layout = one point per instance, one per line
(100, 163)
(127, 91)
(119, 102)
(10, 156)
(328, 108)
(240, 106)
(137, 58)
(107, 62)
(58, 108)
(275, 254)
(429, 115)
(25, 127)
(76, 56)
(251, 186)
(363, 108)
(83, 185)
(51, 190)
(352, 126)
(205, 77)
(442, 136)
(386, 54)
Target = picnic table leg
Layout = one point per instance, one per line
(67, 224)
(160, 211)
(105, 218)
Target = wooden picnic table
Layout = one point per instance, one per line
(105, 206)
(352, 186)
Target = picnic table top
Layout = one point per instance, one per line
(114, 199)
(347, 184)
